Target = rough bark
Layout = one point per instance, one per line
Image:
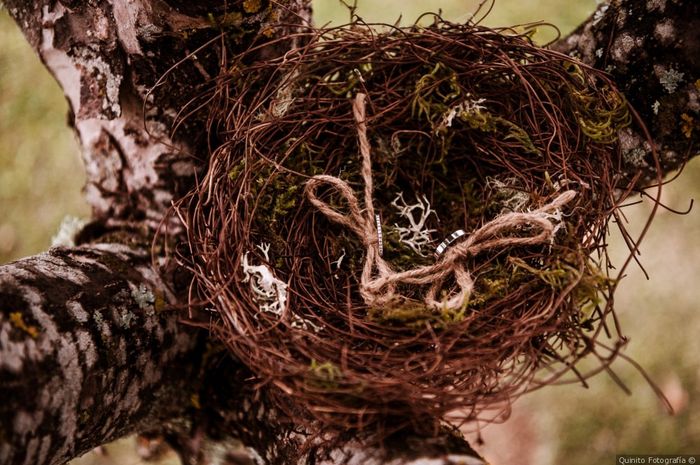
(107, 55)
(88, 353)
(651, 49)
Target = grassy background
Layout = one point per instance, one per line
(41, 178)
(40, 170)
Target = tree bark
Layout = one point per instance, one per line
(88, 353)
(651, 50)
(108, 55)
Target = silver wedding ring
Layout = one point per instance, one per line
(378, 221)
(449, 241)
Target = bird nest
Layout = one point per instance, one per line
(408, 226)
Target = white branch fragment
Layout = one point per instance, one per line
(467, 107)
(417, 235)
(268, 291)
(339, 261)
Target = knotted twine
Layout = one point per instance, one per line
(378, 281)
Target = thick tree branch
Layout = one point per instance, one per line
(651, 49)
(88, 353)
(108, 55)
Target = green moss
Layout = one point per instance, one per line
(237, 170)
(414, 314)
(599, 115)
(434, 92)
(324, 375)
(276, 197)
(485, 121)
(556, 278)
(252, 6)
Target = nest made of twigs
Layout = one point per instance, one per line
(412, 133)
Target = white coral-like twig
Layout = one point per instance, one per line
(467, 107)
(417, 235)
(268, 291)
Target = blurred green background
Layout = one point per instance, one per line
(41, 179)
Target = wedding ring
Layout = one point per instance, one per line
(378, 221)
(449, 241)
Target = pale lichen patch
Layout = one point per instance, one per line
(665, 32)
(69, 228)
(126, 318)
(656, 5)
(600, 13)
(143, 297)
(635, 157)
(623, 46)
(268, 291)
(416, 235)
(104, 78)
(669, 78)
(634, 148)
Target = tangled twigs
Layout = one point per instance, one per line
(493, 136)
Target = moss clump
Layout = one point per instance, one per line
(324, 375)
(252, 6)
(600, 114)
(416, 315)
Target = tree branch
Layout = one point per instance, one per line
(651, 50)
(108, 55)
(88, 353)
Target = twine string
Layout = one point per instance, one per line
(378, 281)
